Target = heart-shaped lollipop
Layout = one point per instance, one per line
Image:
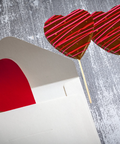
(107, 30)
(70, 34)
(15, 91)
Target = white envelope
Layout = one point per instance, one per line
(61, 114)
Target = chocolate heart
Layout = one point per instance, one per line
(107, 29)
(70, 34)
(15, 91)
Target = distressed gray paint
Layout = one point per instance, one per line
(25, 19)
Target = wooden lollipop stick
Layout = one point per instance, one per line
(85, 81)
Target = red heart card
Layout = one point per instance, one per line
(70, 34)
(107, 30)
(15, 91)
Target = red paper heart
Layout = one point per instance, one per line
(15, 91)
(70, 34)
(107, 29)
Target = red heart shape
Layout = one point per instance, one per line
(107, 29)
(70, 34)
(15, 91)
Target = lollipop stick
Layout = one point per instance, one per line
(85, 81)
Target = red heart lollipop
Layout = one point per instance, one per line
(107, 29)
(70, 34)
(15, 91)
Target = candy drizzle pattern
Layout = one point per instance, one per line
(107, 29)
(66, 32)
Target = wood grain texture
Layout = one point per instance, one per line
(25, 19)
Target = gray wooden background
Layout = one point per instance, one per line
(25, 19)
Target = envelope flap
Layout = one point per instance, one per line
(40, 66)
